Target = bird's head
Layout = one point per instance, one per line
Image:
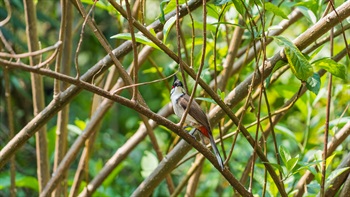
(177, 86)
(177, 83)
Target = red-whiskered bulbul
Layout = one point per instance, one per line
(196, 116)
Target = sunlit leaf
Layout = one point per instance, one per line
(80, 123)
(139, 38)
(167, 27)
(329, 160)
(239, 6)
(309, 14)
(291, 163)
(285, 156)
(221, 94)
(335, 68)
(298, 63)
(152, 70)
(276, 10)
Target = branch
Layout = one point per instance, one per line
(57, 104)
(341, 135)
(122, 153)
(333, 187)
(321, 28)
(34, 53)
(37, 94)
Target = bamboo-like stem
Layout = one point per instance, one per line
(63, 65)
(121, 153)
(193, 180)
(11, 127)
(43, 168)
(66, 96)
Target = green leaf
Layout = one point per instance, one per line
(239, 6)
(28, 181)
(285, 156)
(152, 70)
(298, 63)
(329, 160)
(291, 163)
(206, 99)
(276, 10)
(221, 94)
(167, 27)
(162, 14)
(275, 165)
(148, 163)
(313, 83)
(21, 181)
(80, 123)
(335, 68)
(139, 38)
(308, 10)
(285, 131)
(167, 6)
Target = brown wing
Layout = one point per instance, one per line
(195, 111)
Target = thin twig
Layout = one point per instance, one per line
(9, 13)
(134, 47)
(326, 129)
(10, 119)
(178, 33)
(30, 54)
(77, 51)
(144, 83)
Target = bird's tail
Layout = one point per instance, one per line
(216, 151)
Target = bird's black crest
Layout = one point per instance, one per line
(177, 82)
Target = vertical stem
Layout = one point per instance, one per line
(38, 94)
(11, 129)
(134, 47)
(178, 33)
(326, 128)
(63, 62)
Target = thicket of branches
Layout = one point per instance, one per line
(85, 105)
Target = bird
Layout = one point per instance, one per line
(195, 117)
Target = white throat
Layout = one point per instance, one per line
(175, 93)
